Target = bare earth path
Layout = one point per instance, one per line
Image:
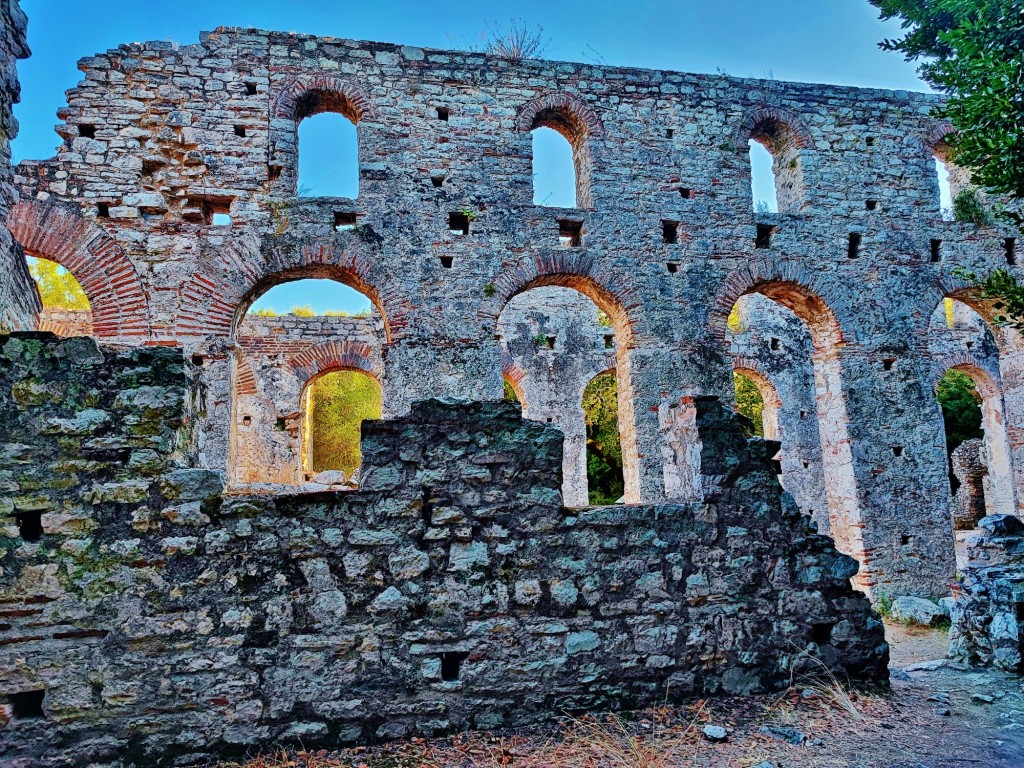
(906, 727)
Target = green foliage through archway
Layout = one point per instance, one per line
(604, 452)
(339, 402)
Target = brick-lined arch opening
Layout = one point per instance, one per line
(512, 376)
(276, 359)
(321, 97)
(966, 335)
(65, 309)
(577, 123)
(770, 399)
(617, 307)
(118, 303)
(998, 487)
(331, 419)
(948, 178)
(785, 139)
(790, 288)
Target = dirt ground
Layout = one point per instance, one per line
(936, 715)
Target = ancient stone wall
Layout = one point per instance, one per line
(19, 301)
(145, 615)
(159, 138)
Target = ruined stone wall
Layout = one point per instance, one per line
(19, 301)
(151, 617)
(159, 137)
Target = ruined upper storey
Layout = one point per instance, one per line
(172, 132)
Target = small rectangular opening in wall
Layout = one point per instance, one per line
(274, 172)
(443, 113)
(609, 341)
(803, 414)
(897, 450)
(672, 267)
(906, 540)
(103, 210)
(221, 220)
(872, 205)
(853, 248)
(686, 193)
(458, 223)
(246, 421)
(240, 131)
(888, 363)
(870, 141)
(426, 506)
(250, 89)
(551, 342)
(344, 221)
(669, 133)
(215, 211)
(87, 131)
(447, 261)
(1010, 250)
(670, 231)
(30, 525)
(437, 180)
(936, 250)
(570, 233)
(821, 634)
(451, 664)
(764, 236)
(806, 464)
(197, 359)
(27, 705)
(969, 344)
(775, 344)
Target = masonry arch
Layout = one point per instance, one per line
(333, 404)
(796, 292)
(577, 123)
(949, 179)
(119, 305)
(576, 277)
(787, 141)
(311, 96)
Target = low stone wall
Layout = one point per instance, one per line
(156, 619)
(988, 613)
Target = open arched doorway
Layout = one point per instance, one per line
(288, 364)
(556, 340)
(66, 310)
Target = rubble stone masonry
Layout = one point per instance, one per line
(146, 618)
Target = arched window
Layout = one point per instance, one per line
(945, 190)
(554, 170)
(328, 156)
(958, 199)
(762, 179)
(749, 401)
(308, 370)
(334, 408)
(66, 309)
(782, 144)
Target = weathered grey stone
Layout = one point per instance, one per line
(915, 610)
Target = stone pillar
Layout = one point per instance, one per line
(970, 470)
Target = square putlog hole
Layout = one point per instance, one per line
(451, 664)
(27, 705)
(570, 233)
(458, 223)
(670, 232)
(764, 236)
(344, 221)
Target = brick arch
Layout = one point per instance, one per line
(229, 280)
(756, 119)
(333, 356)
(791, 285)
(988, 385)
(571, 269)
(514, 375)
(950, 286)
(754, 370)
(936, 141)
(309, 95)
(564, 112)
(119, 303)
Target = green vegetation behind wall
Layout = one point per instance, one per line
(339, 403)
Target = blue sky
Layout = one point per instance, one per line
(827, 41)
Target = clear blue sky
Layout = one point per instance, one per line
(827, 41)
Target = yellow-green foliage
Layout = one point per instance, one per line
(339, 403)
(58, 288)
(734, 322)
(604, 451)
(749, 401)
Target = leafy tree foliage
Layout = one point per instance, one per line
(961, 408)
(749, 401)
(339, 403)
(973, 50)
(604, 451)
(58, 288)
